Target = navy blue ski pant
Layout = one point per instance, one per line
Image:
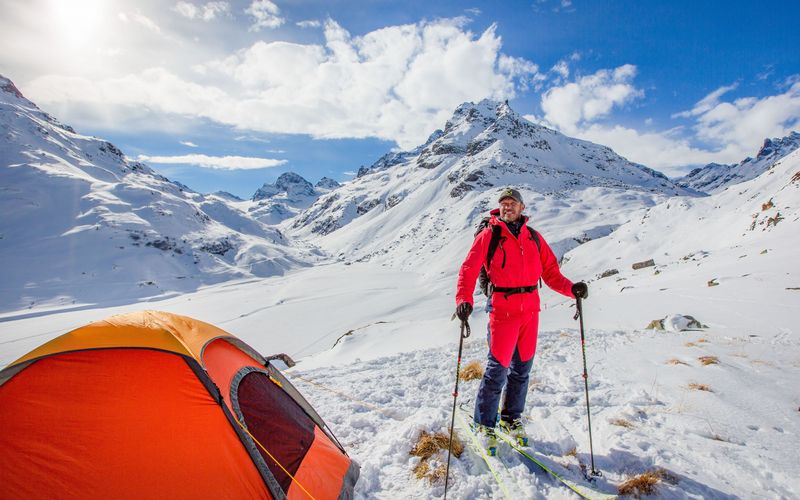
(515, 378)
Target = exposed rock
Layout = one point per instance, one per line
(367, 205)
(217, 247)
(610, 272)
(643, 264)
(676, 323)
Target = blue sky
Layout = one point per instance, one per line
(227, 95)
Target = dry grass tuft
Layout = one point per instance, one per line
(426, 447)
(437, 474)
(699, 387)
(642, 484)
(690, 344)
(700, 341)
(428, 444)
(572, 453)
(622, 423)
(709, 360)
(676, 361)
(422, 469)
(472, 371)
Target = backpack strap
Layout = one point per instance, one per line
(493, 244)
(535, 238)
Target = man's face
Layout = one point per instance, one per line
(510, 209)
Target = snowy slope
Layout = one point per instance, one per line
(413, 205)
(745, 239)
(81, 223)
(376, 348)
(715, 177)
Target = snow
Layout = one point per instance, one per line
(366, 308)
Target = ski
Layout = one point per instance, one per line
(582, 490)
(476, 446)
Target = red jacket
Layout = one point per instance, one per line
(516, 263)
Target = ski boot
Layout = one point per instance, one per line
(487, 438)
(516, 430)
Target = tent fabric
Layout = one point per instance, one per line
(118, 423)
(155, 405)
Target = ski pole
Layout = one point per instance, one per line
(464, 334)
(579, 314)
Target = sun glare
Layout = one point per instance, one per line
(76, 21)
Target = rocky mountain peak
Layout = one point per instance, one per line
(8, 86)
(715, 177)
(327, 183)
(290, 183)
(779, 146)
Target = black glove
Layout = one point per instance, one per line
(463, 310)
(580, 290)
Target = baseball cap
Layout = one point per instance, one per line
(510, 193)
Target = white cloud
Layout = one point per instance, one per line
(189, 144)
(561, 68)
(186, 9)
(666, 151)
(140, 19)
(745, 122)
(707, 103)
(591, 97)
(720, 131)
(266, 15)
(397, 83)
(311, 23)
(215, 162)
(205, 12)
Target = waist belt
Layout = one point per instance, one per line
(513, 291)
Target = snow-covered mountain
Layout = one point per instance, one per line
(715, 177)
(409, 205)
(81, 222)
(743, 240)
(287, 197)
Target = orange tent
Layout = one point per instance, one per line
(155, 405)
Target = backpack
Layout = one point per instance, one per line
(494, 242)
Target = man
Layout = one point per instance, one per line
(520, 259)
